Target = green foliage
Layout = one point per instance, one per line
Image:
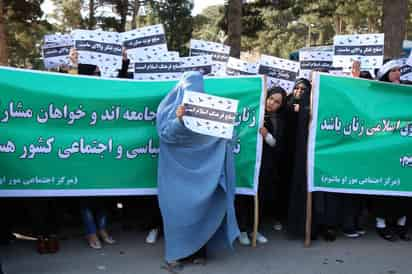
(176, 17)
(24, 31)
(278, 27)
(275, 27)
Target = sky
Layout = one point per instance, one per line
(199, 5)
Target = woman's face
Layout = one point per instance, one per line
(394, 75)
(298, 90)
(273, 102)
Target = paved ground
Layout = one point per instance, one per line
(131, 255)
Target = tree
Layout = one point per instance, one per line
(20, 41)
(176, 17)
(207, 25)
(394, 26)
(3, 37)
(122, 8)
(234, 27)
(91, 21)
(67, 14)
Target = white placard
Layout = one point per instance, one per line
(367, 48)
(145, 42)
(406, 69)
(238, 67)
(57, 38)
(202, 63)
(314, 60)
(210, 115)
(100, 48)
(165, 67)
(56, 49)
(219, 52)
(279, 72)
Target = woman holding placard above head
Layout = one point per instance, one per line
(196, 182)
(390, 212)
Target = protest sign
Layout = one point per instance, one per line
(361, 145)
(366, 48)
(87, 136)
(202, 63)
(165, 67)
(209, 115)
(237, 67)
(144, 43)
(310, 60)
(280, 72)
(219, 52)
(56, 50)
(100, 48)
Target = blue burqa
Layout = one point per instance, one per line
(196, 181)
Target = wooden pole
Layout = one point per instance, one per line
(256, 220)
(256, 197)
(308, 223)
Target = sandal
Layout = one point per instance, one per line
(199, 261)
(94, 241)
(106, 237)
(173, 267)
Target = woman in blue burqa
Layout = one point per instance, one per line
(196, 182)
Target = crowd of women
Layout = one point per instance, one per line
(196, 209)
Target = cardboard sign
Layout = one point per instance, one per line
(210, 115)
(236, 67)
(406, 69)
(366, 48)
(314, 60)
(56, 50)
(165, 67)
(279, 72)
(143, 43)
(100, 48)
(202, 63)
(219, 52)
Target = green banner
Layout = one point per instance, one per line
(65, 135)
(360, 137)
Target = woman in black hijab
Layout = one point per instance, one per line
(296, 134)
(325, 205)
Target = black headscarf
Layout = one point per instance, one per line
(87, 69)
(298, 127)
(273, 117)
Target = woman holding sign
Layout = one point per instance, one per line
(196, 182)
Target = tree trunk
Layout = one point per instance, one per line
(92, 19)
(394, 22)
(234, 27)
(3, 36)
(123, 14)
(371, 28)
(337, 24)
(134, 15)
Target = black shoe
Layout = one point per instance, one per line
(402, 232)
(361, 231)
(386, 233)
(351, 233)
